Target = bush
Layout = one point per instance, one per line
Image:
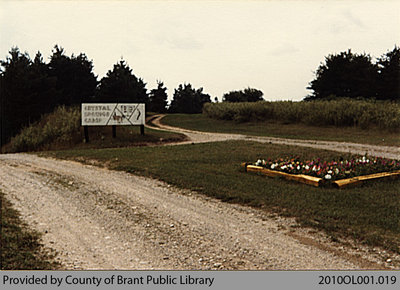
(337, 112)
(58, 127)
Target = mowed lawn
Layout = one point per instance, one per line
(201, 122)
(369, 213)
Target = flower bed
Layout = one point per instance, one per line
(338, 172)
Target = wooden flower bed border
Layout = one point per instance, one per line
(316, 181)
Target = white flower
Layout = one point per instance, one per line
(259, 162)
(314, 168)
(307, 167)
(283, 167)
(273, 166)
(337, 170)
(328, 176)
(330, 172)
(298, 167)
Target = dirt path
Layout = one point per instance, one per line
(355, 148)
(101, 219)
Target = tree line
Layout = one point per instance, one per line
(30, 88)
(352, 75)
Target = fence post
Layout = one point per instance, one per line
(141, 129)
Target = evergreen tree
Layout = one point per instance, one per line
(15, 93)
(30, 89)
(42, 87)
(76, 82)
(120, 85)
(158, 98)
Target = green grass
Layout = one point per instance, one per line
(201, 122)
(369, 213)
(20, 247)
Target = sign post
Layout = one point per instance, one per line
(114, 131)
(86, 131)
(112, 114)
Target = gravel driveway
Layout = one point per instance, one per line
(391, 152)
(96, 218)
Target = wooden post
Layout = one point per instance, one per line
(86, 132)
(141, 129)
(114, 131)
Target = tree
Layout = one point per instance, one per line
(247, 95)
(121, 85)
(188, 100)
(15, 93)
(76, 82)
(388, 86)
(345, 75)
(158, 99)
(30, 89)
(42, 87)
(253, 95)
(27, 91)
(234, 97)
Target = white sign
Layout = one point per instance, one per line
(107, 114)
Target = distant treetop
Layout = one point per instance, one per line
(246, 95)
(355, 76)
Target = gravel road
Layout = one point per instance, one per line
(391, 152)
(96, 218)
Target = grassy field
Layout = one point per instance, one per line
(369, 213)
(201, 122)
(20, 248)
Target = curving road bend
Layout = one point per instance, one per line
(391, 152)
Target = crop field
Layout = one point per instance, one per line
(338, 113)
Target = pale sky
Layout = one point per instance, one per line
(273, 46)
